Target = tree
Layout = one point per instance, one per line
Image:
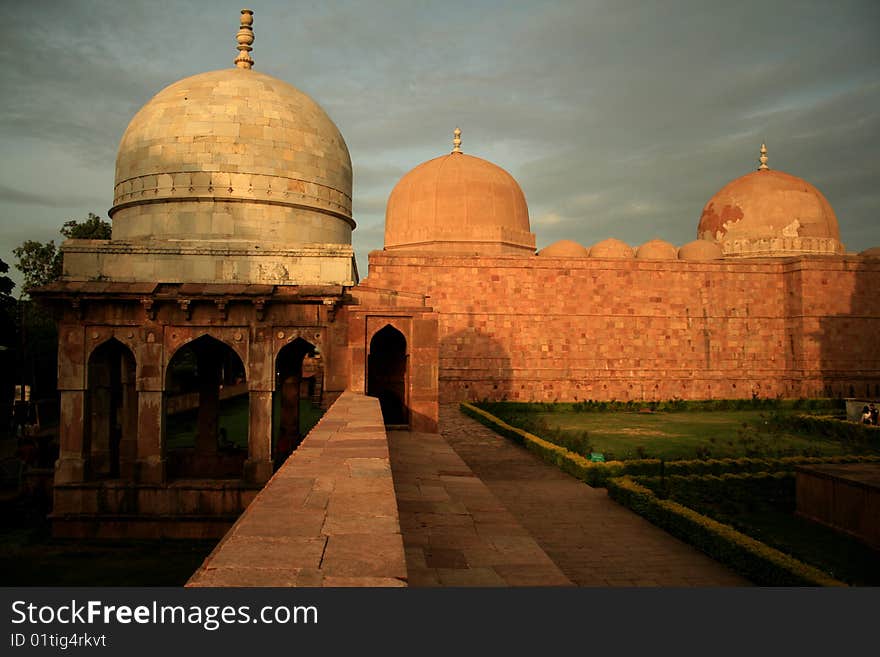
(93, 228)
(36, 345)
(8, 342)
(41, 262)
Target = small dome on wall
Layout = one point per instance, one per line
(611, 248)
(657, 250)
(564, 249)
(700, 250)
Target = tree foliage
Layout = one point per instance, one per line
(93, 228)
(41, 262)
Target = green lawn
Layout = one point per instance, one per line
(713, 434)
(624, 435)
(181, 429)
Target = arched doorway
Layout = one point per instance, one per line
(111, 415)
(206, 411)
(386, 374)
(298, 375)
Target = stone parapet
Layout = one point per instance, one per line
(208, 261)
(328, 517)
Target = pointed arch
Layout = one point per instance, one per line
(206, 409)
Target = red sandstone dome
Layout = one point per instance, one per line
(458, 204)
(657, 250)
(769, 212)
(611, 248)
(700, 250)
(564, 249)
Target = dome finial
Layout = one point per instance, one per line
(245, 38)
(456, 141)
(763, 158)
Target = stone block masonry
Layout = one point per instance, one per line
(548, 328)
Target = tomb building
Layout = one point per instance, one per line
(228, 296)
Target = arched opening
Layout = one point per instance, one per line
(111, 415)
(206, 411)
(296, 401)
(386, 374)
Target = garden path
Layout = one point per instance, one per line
(474, 506)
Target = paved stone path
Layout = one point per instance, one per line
(455, 531)
(590, 538)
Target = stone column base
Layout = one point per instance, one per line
(150, 470)
(70, 469)
(257, 471)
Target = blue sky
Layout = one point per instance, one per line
(618, 119)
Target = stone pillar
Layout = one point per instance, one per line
(72, 461)
(150, 466)
(128, 442)
(258, 467)
(72, 456)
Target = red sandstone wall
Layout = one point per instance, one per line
(564, 329)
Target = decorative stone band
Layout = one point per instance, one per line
(209, 262)
(781, 246)
(245, 187)
(201, 247)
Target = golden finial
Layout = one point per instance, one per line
(456, 141)
(763, 158)
(245, 38)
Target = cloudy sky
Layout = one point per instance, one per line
(618, 118)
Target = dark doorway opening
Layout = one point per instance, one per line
(111, 415)
(206, 411)
(386, 375)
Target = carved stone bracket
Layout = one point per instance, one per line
(186, 307)
(332, 306)
(149, 308)
(260, 306)
(77, 306)
(222, 308)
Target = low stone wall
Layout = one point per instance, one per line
(328, 517)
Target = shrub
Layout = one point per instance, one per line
(758, 562)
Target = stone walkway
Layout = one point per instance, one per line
(477, 509)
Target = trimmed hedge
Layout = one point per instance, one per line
(857, 435)
(669, 406)
(598, 474)
(758, 562)
(773, 489)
